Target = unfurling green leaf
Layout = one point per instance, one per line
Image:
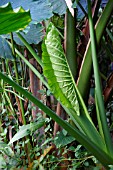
(57, 71)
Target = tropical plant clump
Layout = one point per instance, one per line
(56, 85)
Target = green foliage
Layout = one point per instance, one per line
(19, 19)
(34, 142)
(5, 148)
(39, 9)
(57, 71)
(59, 7)
(5, 50)
(94, 147)
(87, 62)
(62, 84)
(33, 34)
(27, 129)
(63, 139)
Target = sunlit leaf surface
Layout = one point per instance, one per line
(57, 71)
(13, 20)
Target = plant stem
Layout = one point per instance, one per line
(71, 50)
(30, 49)
(31, 67)
(98, 89)
(21, 102)
(86, 68)
(17, 80)
(22, 72)
(110, 34)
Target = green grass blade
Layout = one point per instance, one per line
(98, 117)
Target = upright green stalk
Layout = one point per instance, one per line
(30, 49)
(86, 69)
(98, 89)
(41, 77)
(71, 52)
(110, 34)
(17, 79)
(14, 62)
(21, 102)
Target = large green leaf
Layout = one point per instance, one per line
(80, 13)
(59, 7)
(13, 20)
(33, 34)
(39, 9)
(27, 129)
(57, 71)
(5, 50)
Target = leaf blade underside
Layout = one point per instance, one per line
(57, 71)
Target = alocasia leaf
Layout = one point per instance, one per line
(39, 9)
(103, 3)
(33, 34)
(5, 50)
(57, 71)
(59, 7)
(13, 20)
(80, 13)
